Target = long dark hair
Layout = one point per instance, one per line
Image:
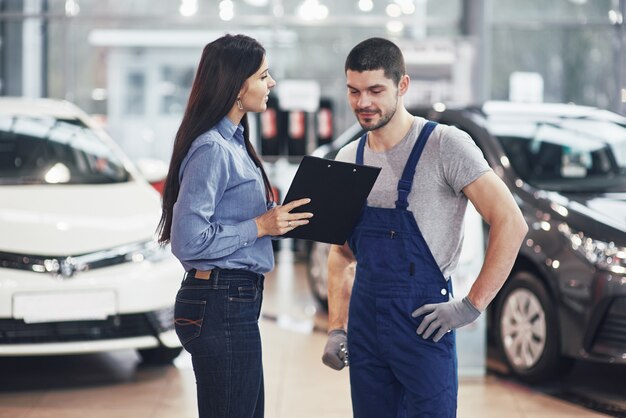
(225, 65)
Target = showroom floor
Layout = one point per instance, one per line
(297, 384)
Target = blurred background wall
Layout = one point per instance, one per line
(132, 62)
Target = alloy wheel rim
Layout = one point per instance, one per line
(523, 329)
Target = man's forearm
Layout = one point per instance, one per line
(340, 278)
(505, 239)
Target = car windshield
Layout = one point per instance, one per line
(46, 150)
(565, 154)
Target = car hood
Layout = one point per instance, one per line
(76, 219)
(599, 215)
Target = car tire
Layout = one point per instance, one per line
(317, 272)
(527, 330)
(159, 355)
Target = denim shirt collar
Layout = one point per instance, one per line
(229, 130)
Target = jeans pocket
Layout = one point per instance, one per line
(188, 317)
(244, 294)
(243, 291)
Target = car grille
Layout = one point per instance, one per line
(14, 331)
(611, 336)
(67, 266)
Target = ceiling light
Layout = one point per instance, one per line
(393, 10)
(71, 8)
(615, 17)
(306, 10)
(227, 5)
(366, 5)
(227, 10)
(395, 26)
(257, 3)
(408, 8)
(312, 10)
(188, 8)
(278, 10)
(322, 12)
(227, 14)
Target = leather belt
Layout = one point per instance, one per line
(201, 274)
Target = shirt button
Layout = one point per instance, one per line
(245, 243)
(444, 292)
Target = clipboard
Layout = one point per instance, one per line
(338, 191)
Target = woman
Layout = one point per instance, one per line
(219, 214)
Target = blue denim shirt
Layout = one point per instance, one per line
(221, 192)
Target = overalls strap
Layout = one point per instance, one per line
(360, 149)
(406, 181)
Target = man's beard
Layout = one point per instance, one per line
(384, 119)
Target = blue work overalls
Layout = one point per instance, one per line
(393, 371)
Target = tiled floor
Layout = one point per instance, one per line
(297, 386)
(115, 385)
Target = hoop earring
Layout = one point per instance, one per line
(239, 104)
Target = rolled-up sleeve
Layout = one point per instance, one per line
(196, 234)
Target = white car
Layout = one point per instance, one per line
(80, 270)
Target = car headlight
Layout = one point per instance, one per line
(604, 255)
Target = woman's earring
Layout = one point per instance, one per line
(239, 104)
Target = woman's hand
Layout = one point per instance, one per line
(279, 220)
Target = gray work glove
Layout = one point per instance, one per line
(336, 350)
(446, 316)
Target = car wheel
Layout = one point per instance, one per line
(317, 272)
(527, 330)
(159, 355)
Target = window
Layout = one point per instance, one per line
(134, 103)
(174, 89)
(576, 155)
(43, 150)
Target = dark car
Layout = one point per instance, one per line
(566, 167)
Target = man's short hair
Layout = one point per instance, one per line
(377, 54)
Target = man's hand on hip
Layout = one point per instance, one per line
(446, 316)
(336, 350)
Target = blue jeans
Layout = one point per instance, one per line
(217, 323)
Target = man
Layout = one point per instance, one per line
(407, 245)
